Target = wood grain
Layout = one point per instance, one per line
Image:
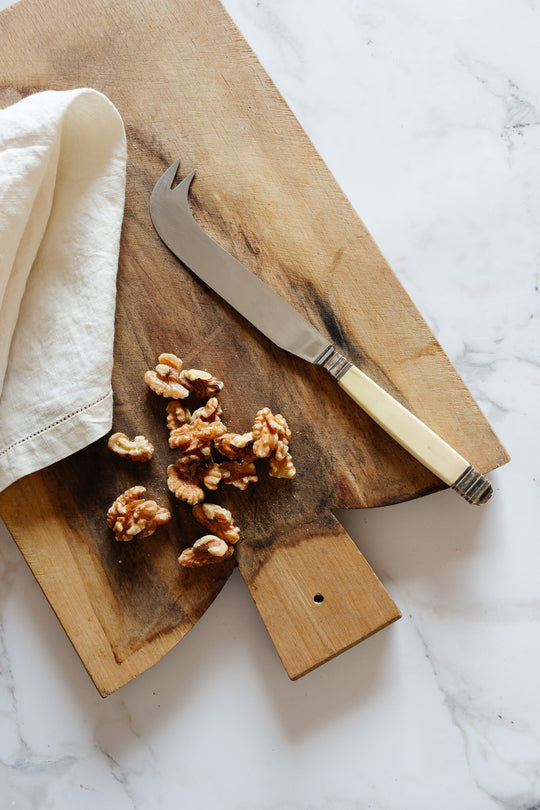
(187, 85)
(316, 593)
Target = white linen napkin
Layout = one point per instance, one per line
(62, 187)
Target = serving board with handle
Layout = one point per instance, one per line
(187, 85)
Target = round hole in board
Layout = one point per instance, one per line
(318, 598)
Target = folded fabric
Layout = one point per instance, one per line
(62, 187)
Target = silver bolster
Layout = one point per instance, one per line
(334, 362)
(474, 487)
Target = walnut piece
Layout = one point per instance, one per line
(205, 551)
(177, 415)
(211, 475)
(132, 516)
(282, 467)
(166, 380)
(236, 445)
(268, 432)
(196, 435)
(194, 432)
(271, 435)
(138, 449)
(184, 479)
(218, 520)
(203, 427)
(201, 384)
(211, 412)
(238, 473)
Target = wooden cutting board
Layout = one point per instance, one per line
(187, 85)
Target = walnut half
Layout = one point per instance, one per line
(205, 551)
(218, 520)
(238, 473)
(195, 435)
(201, 384)
(138, 449)
(271, 435)
(236, 446)
(165, 379)
(184, 479)
(132, 516)
(169, 380)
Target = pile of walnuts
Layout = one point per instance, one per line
(209, 455)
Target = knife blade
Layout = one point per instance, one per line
(287, 328)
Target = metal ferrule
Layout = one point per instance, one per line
(473, 486)
(334, 363)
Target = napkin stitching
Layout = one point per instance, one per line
(54, 424)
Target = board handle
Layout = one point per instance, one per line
(316, 593)
(412, 434)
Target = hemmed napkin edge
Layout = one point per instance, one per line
(54, 442)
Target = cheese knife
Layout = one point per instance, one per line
(281, 323)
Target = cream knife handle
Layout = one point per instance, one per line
(412, 434)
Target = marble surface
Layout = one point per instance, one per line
(428, 114)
